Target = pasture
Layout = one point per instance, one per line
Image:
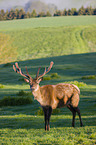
(71, 45)
(46, 37)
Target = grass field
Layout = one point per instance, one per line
(45, 37)
(36, 44)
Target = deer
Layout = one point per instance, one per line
(52, 96)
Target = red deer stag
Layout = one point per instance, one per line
(52, 96)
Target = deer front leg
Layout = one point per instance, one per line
(47, 114)
(45, 117)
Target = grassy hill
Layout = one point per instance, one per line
(21, 124)
(34, 43)
(45, 37)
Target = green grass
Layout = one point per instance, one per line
(34, 43)
(89, 77)
(15, 101)
(22, 125)
(47, 22)
(23, 39)
(58, 135)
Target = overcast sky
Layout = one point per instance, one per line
(7, 3)
(61, 4)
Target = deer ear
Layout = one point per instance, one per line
(26, 80)
(40, 80)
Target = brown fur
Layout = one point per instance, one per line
(52, 95)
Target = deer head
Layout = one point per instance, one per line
(34, 83)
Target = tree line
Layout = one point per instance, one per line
(21, 14)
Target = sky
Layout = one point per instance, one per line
(61, 4)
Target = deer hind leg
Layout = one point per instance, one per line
(47, 114)
(79, 114)
(74, 114)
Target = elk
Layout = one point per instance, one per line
(52, 96)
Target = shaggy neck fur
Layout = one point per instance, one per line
(37, 95)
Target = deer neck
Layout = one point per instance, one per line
(37, 94)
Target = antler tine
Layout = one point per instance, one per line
(14, 68)
(18, 70)
(49, 68)
(38, 73)
(28, 73)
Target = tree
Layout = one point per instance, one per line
(2, 14)
(74, 11)
(41, 14)
(69, 12)
(64, 13)
(21, 14)
(33, 14)
(28, 15)
(16, 14)
(48, 14)
(58, 13)
(94, 11)
(81, 11)
(6, 17)
(11, 14)
(89, 11)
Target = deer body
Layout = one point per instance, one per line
(59, 95)
(53, 96)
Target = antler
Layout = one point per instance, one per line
(46, 71)
(18, 70)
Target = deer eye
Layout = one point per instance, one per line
(31, 84)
